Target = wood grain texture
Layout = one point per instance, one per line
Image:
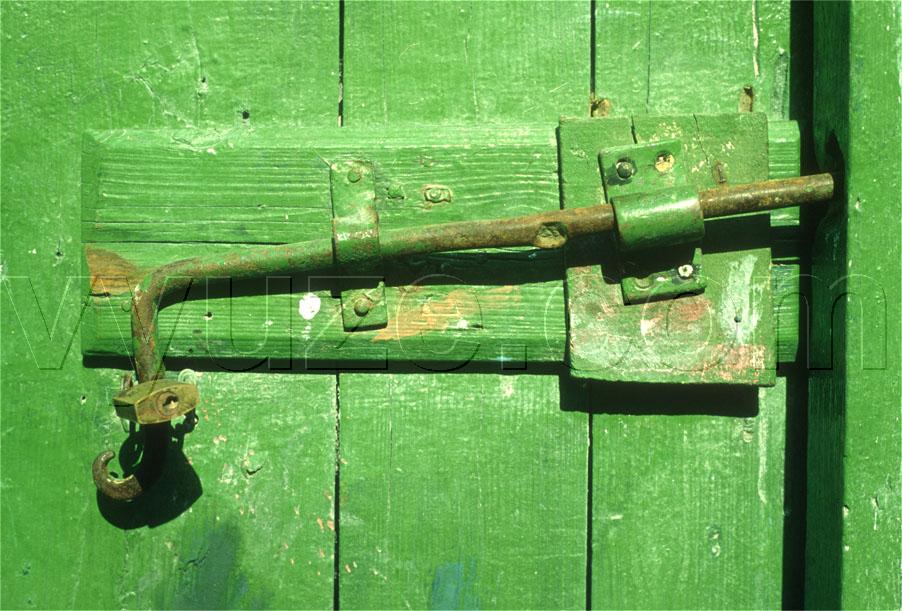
(691, 500)
(474, 517)
(146, 189)
(72, 67)
(663, 57)
(855, 436)
(263, 467)
(461, 492)
(465, 62)
(695, 58)
(260, 185)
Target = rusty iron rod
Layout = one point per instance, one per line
(543, 230)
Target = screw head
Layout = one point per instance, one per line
(362, 306)
(354, 175)
(685, 271)
(625, 168)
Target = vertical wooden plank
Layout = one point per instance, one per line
(663, 57)
(715, 519)
(688, 506)
(264, 472)
(68, 68)
(855, 435)
(452, 495)
(460, 491)
(465, 62)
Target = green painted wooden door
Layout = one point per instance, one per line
(407, 487)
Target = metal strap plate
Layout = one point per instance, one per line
(724, 335)
(355, 242)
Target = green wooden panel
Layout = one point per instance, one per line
(72, 67)
(688, 507)
(463, 62)
(855, 437)
(696, 57)
(461, 492)
(270, 185)
(663, 57)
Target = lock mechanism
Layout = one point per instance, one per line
(659, 220)
(156, 401)
(672, 296)
(663, 286)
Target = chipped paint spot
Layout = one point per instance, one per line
(507, 387)
(308, 306)
(419, 312)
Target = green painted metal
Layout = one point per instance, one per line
(653, 274)
(355, 245)
(724, 335)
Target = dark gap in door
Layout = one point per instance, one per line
(336, 491)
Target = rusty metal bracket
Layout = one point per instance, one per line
(355, 243)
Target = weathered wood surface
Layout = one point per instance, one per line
(461, 492)
(689, 57)
(487, 509)
(144, 190)
(700, 56)
(72, 67)
(200, 66)
(696, 496)
(725, 334)
(855, 437)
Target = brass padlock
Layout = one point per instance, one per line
(156, 401)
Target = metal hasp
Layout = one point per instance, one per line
(654, 208)
(355, 242)
(148, 401)
(670, 299)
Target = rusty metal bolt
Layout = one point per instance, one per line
(625, 168)
(664, 162)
